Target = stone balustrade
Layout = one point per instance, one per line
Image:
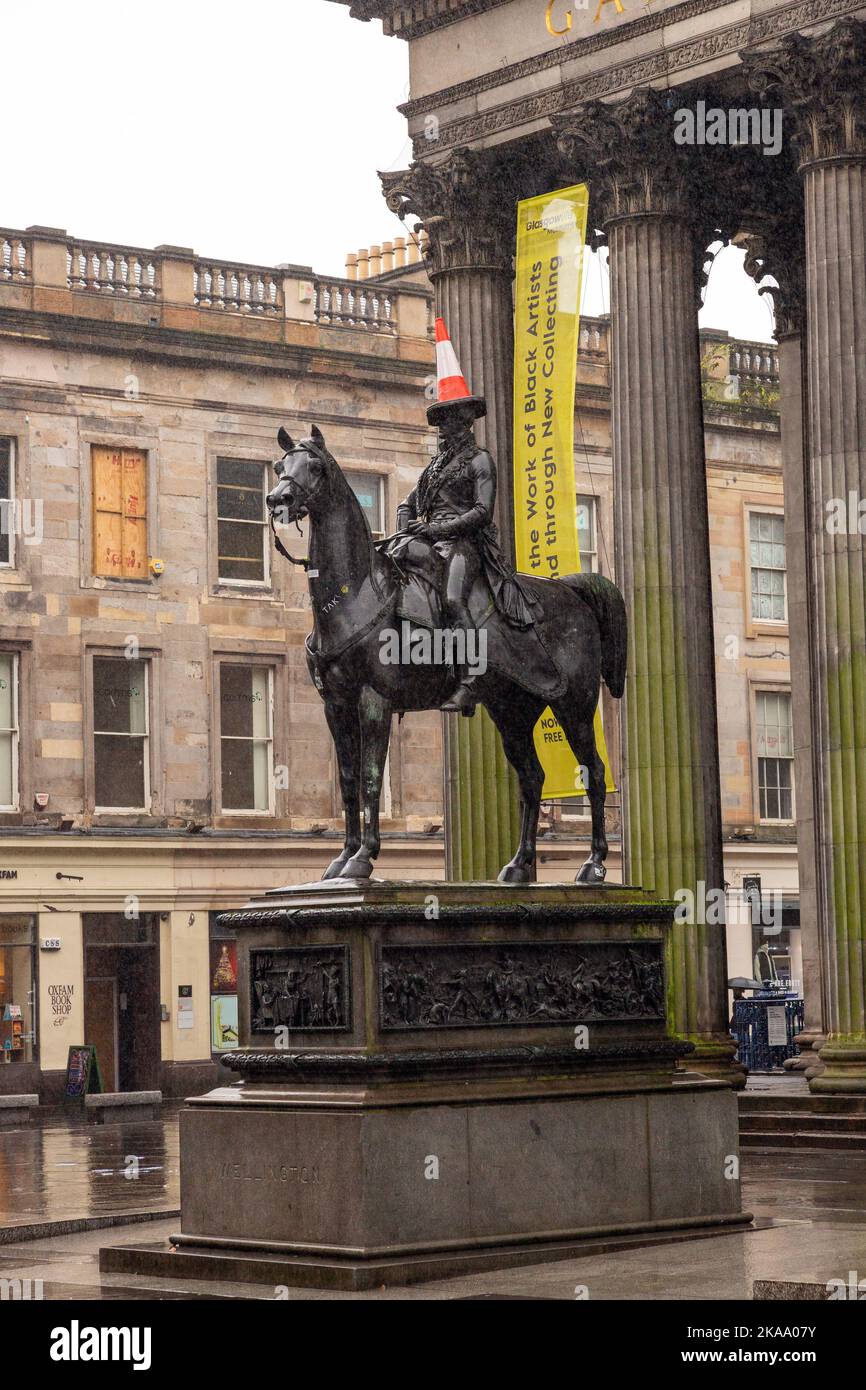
(754, 362)
(14, 256)
(245, 289)
(354, 304)
(594, 337)
(45, 269)
(98, 268)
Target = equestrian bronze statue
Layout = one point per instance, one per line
(380, 611)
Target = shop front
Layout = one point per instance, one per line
(19, 1070)
(114, 942)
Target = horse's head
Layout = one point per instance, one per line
(303, 477)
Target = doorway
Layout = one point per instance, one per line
(121, 998)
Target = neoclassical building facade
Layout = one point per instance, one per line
(512, 98)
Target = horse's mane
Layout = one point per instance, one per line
(378, 562)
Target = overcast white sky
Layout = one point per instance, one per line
(251, 132)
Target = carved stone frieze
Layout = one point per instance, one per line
(302, 988)
(486, 986)
(618, 77)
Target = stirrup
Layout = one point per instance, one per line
(463, 701)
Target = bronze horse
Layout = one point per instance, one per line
(355, 594)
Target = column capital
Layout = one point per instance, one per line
(456, 203)
(778, 248)
(637, 168)
(822, 84)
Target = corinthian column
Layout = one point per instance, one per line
(467, 207)
(776, 247)
(640, 196)
(822, 85)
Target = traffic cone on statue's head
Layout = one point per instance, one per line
(452, 391)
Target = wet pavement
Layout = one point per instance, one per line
(815, 1200)
(87, 1172)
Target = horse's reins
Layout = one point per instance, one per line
(306, 497)
(304, 561)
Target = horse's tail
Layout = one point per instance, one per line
(606, 603)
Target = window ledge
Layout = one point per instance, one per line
(763, 628)
(257, 591)
(98, 582)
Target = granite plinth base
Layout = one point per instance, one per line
(442, 1077)
(235, 1265)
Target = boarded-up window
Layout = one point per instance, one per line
(119, 513)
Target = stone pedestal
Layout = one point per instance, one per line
(440, 1078)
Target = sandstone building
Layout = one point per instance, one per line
(163, 753)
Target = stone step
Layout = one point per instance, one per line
(815, 1104)
(802, 1139)
(788, 1121)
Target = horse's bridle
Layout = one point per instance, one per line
(307, 495)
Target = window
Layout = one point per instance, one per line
(368, 489)
(767, 559)
(242, 521)
(120, 734)
(775, 755)
(17, 987)
(246, 738)
(586, 525)
(7, 509)
(8, 731)
(119, 513)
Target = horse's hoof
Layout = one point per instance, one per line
(335, 868)
(591, 872)
(514, 873)
(358, 867)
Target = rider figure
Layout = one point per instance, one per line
(452, 509)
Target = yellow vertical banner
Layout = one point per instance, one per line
(551, 240)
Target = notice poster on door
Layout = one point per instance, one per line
(224, 1022)
(777, 1027)
(82, 1073)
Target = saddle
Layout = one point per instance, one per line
(519, 655)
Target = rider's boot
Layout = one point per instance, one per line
(465, 698)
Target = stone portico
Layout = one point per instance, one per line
(510, 98)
